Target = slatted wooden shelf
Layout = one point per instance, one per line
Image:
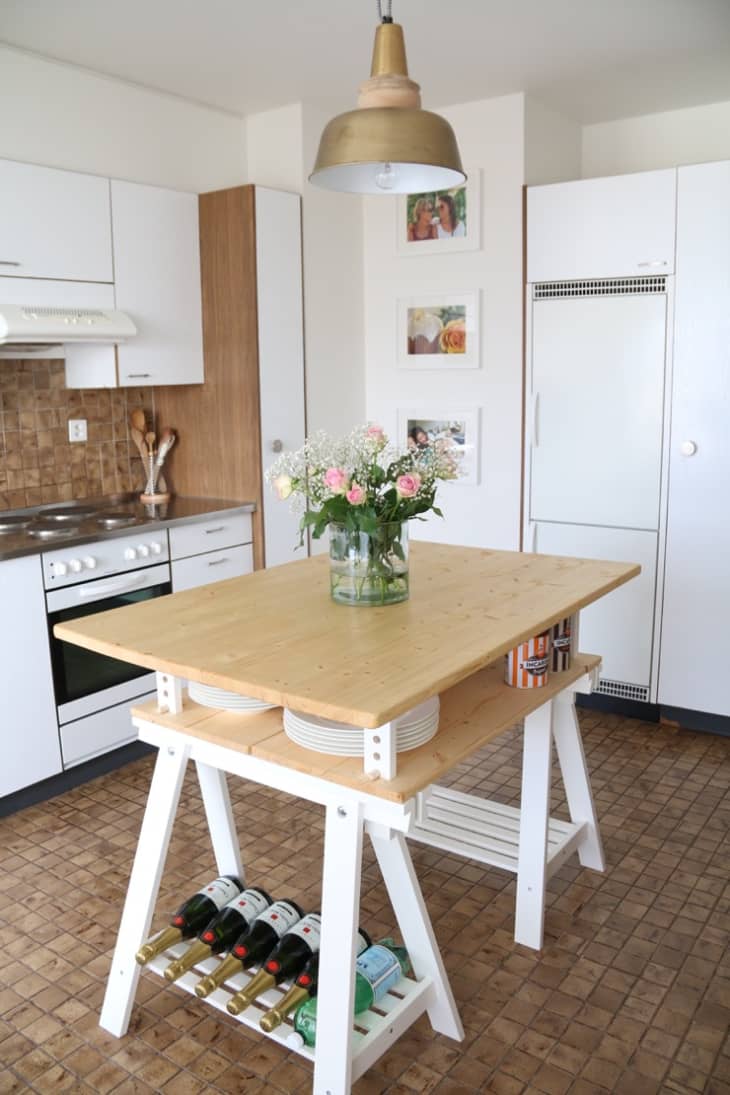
(473, 713)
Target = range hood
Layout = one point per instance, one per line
(27, 327)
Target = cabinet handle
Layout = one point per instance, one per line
(277, 446)
(138, 376)
(5, 262)
(218, 562)
(534, 420)
(656, 262)
(220, 528)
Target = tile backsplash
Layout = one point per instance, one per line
(37, 461)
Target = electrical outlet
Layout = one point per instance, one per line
(77, 429)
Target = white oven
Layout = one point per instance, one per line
(94, 692)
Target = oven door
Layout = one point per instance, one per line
(84, 681)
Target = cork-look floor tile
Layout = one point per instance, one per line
(630, 993)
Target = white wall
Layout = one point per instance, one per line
(274, 148)
(552, 145)
(61, 116)
(491, 138)
(696, 135)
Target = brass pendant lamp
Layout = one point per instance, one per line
(388, 145)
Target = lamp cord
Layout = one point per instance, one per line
(387, 18)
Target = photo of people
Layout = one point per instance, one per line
(456, 435)
(437, 216)
(439, 330)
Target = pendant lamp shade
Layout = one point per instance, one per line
(388, 145)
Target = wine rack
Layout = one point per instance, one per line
(390, 1018)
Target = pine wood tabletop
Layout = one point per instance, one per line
(276, 634)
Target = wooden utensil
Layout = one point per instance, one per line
(138, 420)
(150, 437)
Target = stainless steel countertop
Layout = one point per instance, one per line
(178, 511)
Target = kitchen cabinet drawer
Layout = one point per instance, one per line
(209, 535)
(214, 566)
(96, 734)
(54, 224)
(602, 228)
(157, 280)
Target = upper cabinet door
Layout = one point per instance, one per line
(54, 224)
(157, 281)
(602, 228)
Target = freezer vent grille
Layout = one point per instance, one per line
(623, 690)
(600, 287)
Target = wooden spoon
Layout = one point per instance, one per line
(150, 437)
(138, 420)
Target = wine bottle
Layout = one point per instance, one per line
(377, 970)
(304, 987)
(192, 916)
(287, 959)
(222, 931)
(253, 945)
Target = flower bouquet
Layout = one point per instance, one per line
(365, 491)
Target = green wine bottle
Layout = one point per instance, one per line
(192, 916)
(377, 970)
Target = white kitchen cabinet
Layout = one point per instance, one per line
(697, 589)
(54, 224)
(619, 626)
(596, 409)
(30, 744)
(213, 566)
(602, 228)
(157, 281)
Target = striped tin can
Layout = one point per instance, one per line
(561, 644)
(527, 665)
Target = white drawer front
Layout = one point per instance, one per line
(214, 566)
(209, 535)
(86, 738)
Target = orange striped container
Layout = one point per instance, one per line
(527, 665)
(561, 645)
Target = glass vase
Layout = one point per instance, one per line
(369, 568)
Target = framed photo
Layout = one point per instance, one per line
(439, 221)
(439, 332)
(458, 430)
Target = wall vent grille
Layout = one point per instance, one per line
(623, 690)
(31, 312)
(599, 287)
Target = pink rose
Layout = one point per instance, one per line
(408, 486)
(336, 480)
(376, 433)
(355, 495)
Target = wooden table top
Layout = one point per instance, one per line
(276, 634)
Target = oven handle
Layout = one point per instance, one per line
(97, 591)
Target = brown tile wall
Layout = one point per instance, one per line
(37, 462)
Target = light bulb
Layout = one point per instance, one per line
(387, 177)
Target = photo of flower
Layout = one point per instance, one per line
(439, 332)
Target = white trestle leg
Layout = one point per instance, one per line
(219, 815)
(534, 812)
(414, 923)
(571, 758)
(340, 913)
(144, 883)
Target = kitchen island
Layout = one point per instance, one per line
(276, 636)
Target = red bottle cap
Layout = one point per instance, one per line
(304, 980)
(208, 937)
(273, 966)
(240, 950)
(178, 921)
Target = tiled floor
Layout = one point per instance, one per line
(630, 994)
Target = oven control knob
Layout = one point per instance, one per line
(130, 553)
(75, 566)
(90, 562)
(143, 551)
(60, 569)
(156, 548)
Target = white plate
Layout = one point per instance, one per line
(413, 728)
(208, 696)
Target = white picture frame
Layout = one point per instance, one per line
(431, 327)
(466, 203)
(460, 426)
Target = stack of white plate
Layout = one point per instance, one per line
(208, 696)
(414, 728)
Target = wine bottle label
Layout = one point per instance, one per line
(281, 916)
(380, 968)
(308, 928)
(220, 891)
(249, 904)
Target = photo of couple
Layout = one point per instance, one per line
(437, 216)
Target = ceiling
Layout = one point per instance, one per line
(589, 59)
